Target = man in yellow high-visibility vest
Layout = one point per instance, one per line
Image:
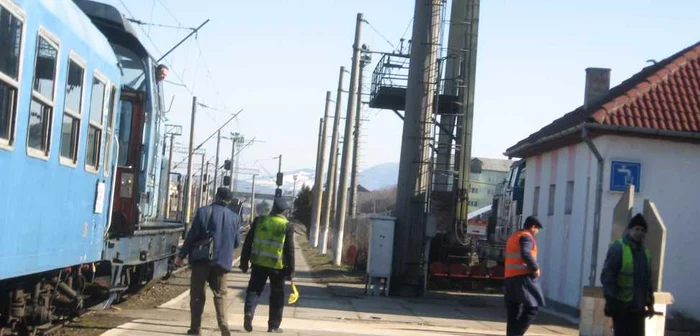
(626, 279)
(269, 247)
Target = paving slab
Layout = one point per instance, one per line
(339, 309)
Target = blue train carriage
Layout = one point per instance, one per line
(141, 244)
(58, 81)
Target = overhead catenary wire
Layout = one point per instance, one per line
(380, 34)
(139, 22)
(208, 138)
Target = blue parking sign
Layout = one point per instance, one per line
(624, 173)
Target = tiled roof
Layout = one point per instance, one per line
(664, 96)
(501, 165)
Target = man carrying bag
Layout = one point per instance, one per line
(215, 233)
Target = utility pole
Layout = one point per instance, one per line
(326, 217)
(188, 193)
(414, 175)
(318, 178)
(170, 170)
(233, 153)
(252, 202)
(468, 79)
(342, 205)
(216, 161)
(334, 199)
(364, 60)
(202, 181)
(294, 192)
(236, 139)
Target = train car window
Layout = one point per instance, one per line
(72, 110)
(110, 129)
(133, 69)
(11, 24)
(127, 111)
(42, 105)
(94, 138)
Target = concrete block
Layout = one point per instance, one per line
(598, 330)
(586, 330)
(588, 303)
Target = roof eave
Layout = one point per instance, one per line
(519, 151)
(524, 150)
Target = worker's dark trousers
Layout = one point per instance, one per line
(256, 285)
(216, 277)
(629, 324)
(519, 318)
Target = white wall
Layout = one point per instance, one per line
(669, 179)
(561, 242)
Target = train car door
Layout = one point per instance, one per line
(125, 214)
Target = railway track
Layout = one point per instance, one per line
(54, 328)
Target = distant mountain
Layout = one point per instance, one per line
(380, 176)
(373, 178)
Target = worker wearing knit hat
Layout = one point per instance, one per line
(626, 279)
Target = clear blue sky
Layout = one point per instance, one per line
(276, 59)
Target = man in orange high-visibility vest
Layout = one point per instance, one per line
(523, 294)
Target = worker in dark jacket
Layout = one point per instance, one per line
(224, 227)
(626, 280)
(269, 247)
(523, 294)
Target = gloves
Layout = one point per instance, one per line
(243, 267)
(287, 273)
(649, 312)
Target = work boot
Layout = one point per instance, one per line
(225, 332)
(248, 323)
(193, 331)
(275, 330)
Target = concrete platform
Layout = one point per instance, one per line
(340, 309)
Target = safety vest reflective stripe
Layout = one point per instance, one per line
(625, 279)
(266, 254)
(268, 242)
(271, 243)
(518, 267)
(512, 255)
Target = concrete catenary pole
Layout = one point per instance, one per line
(342, 205)
(188, 193)
(468, 79)
(252, 200)
(202, 181)
(233, 153)
(415, 149)
(356, 144)
(445, 170)
(169, 177)
(328, 205)
(318, 178)
(216, 161)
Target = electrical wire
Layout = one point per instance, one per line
(139, 22)
(380, 34)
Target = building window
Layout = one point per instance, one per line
(536, 201)
(569, 204)
(550, 206)
(72, 110)
(473, 203)
(110, 128)
(475, 190)
(41, 107)
(94, 137)
(10, 53)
